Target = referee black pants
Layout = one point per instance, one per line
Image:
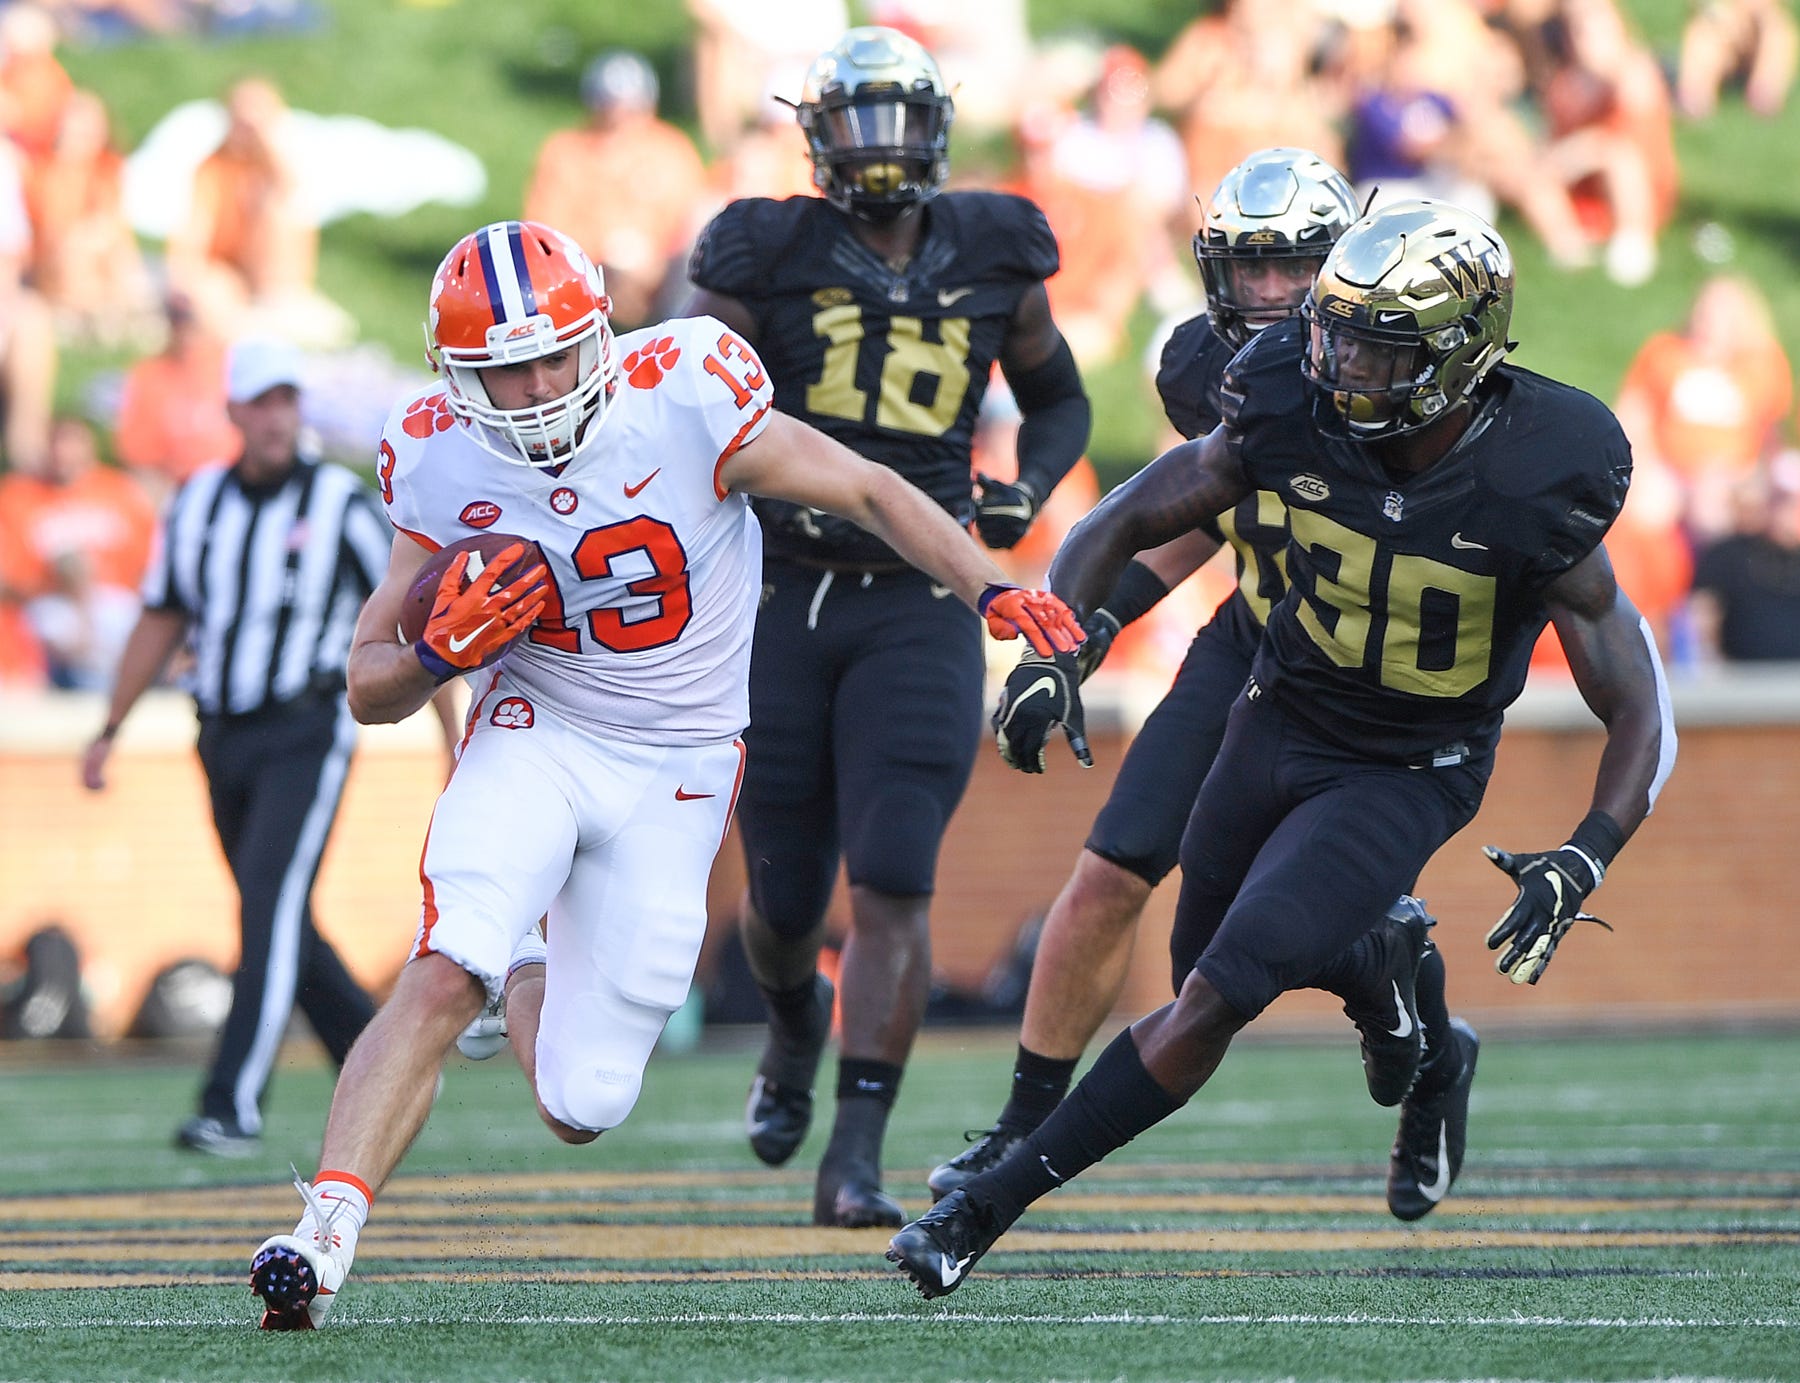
(275, 779)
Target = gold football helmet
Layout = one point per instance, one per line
(877, 119)
(1409, 313)
(1263, 235)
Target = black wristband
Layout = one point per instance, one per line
(1599, 835)
(1137, 592)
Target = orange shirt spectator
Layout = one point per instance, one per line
(85, 256)
(172, 418)
(33, 84)
(77, 540)
(626, 186)
(1710, 399)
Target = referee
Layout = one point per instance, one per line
(260, 569)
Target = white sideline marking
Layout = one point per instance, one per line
(950, 1316)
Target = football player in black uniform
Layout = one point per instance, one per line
(1442, 508)
(1264, 233)
(879, 312)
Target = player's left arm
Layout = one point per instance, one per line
(1041, 370)
(791, 460)
(1613, 655)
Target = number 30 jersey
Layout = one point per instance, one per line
(655, 569)
(892, 362)
(1415, 600)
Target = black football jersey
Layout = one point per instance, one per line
(1414, 602)
(1193, 363)
(891, 362)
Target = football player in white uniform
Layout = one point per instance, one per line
(609, 690)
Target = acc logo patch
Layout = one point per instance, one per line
(564, 500)
(645, 367)
(428, 415)
(480, 514)
(1309, 487)
(513, 713)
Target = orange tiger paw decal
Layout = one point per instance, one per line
(646, 366)
(428, 415)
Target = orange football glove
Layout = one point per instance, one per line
(469, 628)
(1048, 625)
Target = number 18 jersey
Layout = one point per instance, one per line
(655, 569)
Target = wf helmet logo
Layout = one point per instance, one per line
(513, 713)
(428, 415)
(481, 514)
(646, 366)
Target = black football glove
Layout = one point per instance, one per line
(1101, 628)
(1040, 694)
(1553, 884)
(1003, 512)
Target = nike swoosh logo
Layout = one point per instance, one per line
(633, 491)
(1406, 1023)
(949, 297)
(1043, 684)
(458, 645)
(683, 795)
(1007, 511)
(1434, 1191)
(1457, 540)
(950, 1269)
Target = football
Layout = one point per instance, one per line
(483, 549)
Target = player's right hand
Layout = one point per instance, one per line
(470, 627)
(1045, 622)
(1039, 695)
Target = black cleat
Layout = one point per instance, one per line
(780, 1109)
(855, 1202)
(220, 1137)
(937, 1250)
(991, 1147)
(1434, 1129)
(1393, 1041)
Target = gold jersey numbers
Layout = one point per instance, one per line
(903, 403)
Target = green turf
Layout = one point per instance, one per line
(1630, 1209)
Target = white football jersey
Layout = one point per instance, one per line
(656, 571)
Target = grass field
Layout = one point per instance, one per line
(1630, 1209)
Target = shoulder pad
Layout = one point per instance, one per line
(999, 233)
(1187, 380)
(1563, 460)
(739, 245)
(1263, 380)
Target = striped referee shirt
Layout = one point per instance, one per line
(270, 579)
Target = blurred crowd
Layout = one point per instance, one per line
(1555, 112)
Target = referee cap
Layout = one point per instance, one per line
(259, 364)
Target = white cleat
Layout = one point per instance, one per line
(486, 1035)
(299, 1275)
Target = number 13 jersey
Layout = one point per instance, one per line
(655, 568)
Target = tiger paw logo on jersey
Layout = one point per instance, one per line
(646, 366)
(428, 415)
(563, 500)
(513, 713)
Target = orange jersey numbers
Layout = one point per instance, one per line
(667, 586)
(384, 472)
(745, 378)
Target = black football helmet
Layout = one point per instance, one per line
(1285, 205)
(877, 119)
(1407, 316)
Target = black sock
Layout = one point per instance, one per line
(1038, 1086)
(793, 1010)
(1358, 973)
(1113, 1103)
(866, 1091)
(1434, 1018)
